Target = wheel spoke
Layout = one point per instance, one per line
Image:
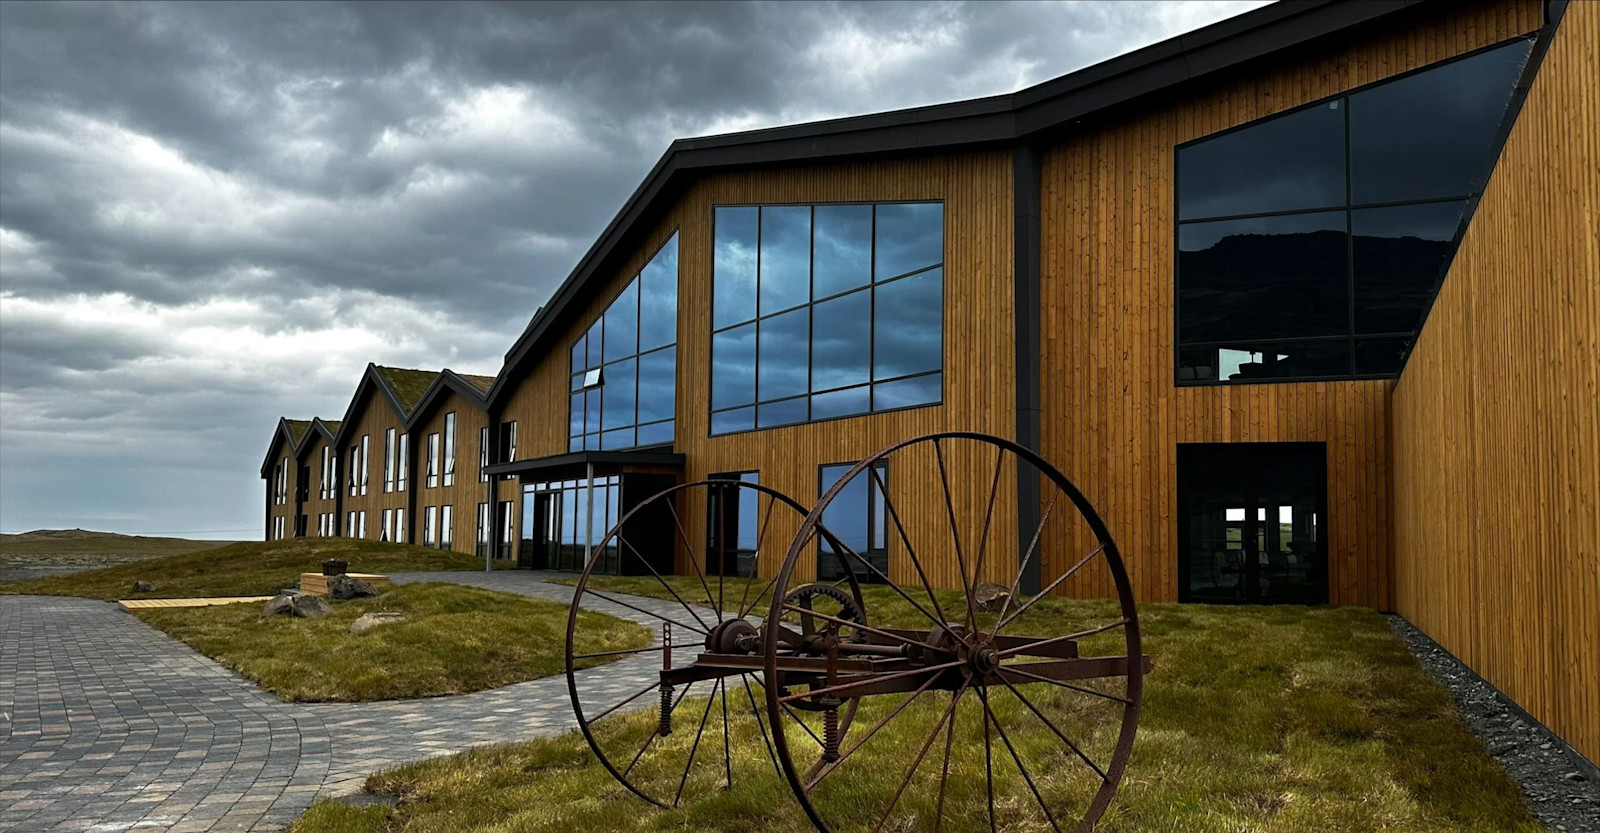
(623, 652)
(727, 754)
(663, 582)
(988, 760)
(599, 595)
(1033, 549)
(651, 739)
(830, 769)
(796, 716)
(1056, 640)
(1012, 669)
(871, 680)
(1053, 585)
(905, 539)
(921, 754)
(636, 695)
(1052, 727)
(858, 626)
(886, 580)
(696, 747)
(755, 562)
(988, 516)
(955, 536)
(689, 548)
(760, 724)
(944, 772)
(1033, 788)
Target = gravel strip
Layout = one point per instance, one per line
(1562, 789)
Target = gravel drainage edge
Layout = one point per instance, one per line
(1561, 786)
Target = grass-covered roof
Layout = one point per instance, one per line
(482, 383)
(408, 385)
(297, 429)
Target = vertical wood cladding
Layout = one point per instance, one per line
(1496, 419)
(978, 348)
(1112, 417)
(316, 505)
(374, 417)
(283, 510)
(467, 492)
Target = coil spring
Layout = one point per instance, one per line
(664, 725)
(830, 735)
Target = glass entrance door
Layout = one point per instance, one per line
(1252, 523)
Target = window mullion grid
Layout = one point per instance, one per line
(1349, 244)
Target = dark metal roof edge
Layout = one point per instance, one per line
(652, 458)
(282, 434)
(370, 377)
(318, 426)
(446, 380)
(998, 119)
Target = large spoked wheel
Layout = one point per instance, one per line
(673, 732)
(981, 707)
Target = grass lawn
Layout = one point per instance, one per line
(1255, 719)
(252, 568)
(454, 640)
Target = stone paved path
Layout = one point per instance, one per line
(107, 724)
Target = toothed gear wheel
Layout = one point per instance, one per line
(848, 609)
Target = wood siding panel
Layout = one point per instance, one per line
(315, 505)
(1496, 419)
(978, 342)
(373, 419)
(468, 491)
(1112, 416)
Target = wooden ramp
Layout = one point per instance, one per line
(151, 604)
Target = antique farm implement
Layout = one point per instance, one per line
(927, 673)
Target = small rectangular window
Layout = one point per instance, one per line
(450, 449)
(447, 517)
(432, 473)
(483, 526)
(388, 460)
(403, 462)
(483, 454)
(365, 447)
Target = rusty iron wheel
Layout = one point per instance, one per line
(1055, 729)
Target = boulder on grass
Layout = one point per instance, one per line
(345, 587)
(988, 596)
(144, 587)
(301, 606)
(368, 621)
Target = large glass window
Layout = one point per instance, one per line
(1310, 244)
(825, 311)
(857, 521)
(624, 368)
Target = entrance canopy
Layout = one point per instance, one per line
(578, 464)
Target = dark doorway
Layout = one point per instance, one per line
(1252, 523)
(531, 549)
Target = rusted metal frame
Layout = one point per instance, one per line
(944, 769)
(642, 692)
(622, 652)
(858, 685)
(955, 536)
(753, 662)
(1062, 670)
(653, 735)
(760, 724)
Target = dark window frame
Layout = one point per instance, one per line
(882, 468)
(586, 387)
(1351, 337)
(870, 287)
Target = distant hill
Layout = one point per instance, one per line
(52, 542)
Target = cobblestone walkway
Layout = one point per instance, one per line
(107, 724)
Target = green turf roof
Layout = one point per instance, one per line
(482, 383)
(333, 425)
(408, 385)
(297, 429)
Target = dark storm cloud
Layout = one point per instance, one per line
(201, 202)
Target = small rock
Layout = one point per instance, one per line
(1574, 777)
(345, 587)
(368, 621)
(301, 607)
(144, 587)
(989, 596)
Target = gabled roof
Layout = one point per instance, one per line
(470, 388)
(290, 432)
(401, 388)
(324, 429)
(1052, 107)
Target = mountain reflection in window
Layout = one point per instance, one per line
(1311, 243)
(825, 311)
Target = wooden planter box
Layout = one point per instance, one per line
(316, 584)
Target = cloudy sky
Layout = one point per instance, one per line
(214, 214)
